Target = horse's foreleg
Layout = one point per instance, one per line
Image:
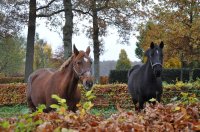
(48, 109)
(72, 106)
(158, 97)
(74, 109)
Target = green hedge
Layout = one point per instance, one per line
(168, 75)
(173, 75)
(196, 74)
(118, 76)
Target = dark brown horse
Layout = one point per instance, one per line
(144, 81)
(62, 82)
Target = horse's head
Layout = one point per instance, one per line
(155, 56)
(82, 67)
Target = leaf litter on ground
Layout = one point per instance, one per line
(154, 118)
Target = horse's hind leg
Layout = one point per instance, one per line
(141, 102)
(135, 104)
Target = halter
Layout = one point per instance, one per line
(152, 65)
(79, 74)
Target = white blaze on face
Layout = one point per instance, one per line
(157, 51)
(85, 59)
(88, 73)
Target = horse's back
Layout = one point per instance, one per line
(134, 68)
(133, 77)
(37, 85)
(40, 75)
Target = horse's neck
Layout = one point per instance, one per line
(69, 80)
(149, 70)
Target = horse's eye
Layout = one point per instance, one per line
(78, 62)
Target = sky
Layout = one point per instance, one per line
(112, 48)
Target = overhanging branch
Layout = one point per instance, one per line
(43, 7)
(51, 14)
(82, 12)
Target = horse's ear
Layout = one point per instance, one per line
(161, 45)
(76, 52)
(88, 50)
(146, 53)
(152, 45)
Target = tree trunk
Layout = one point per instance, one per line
(96, 43)
(30, 39)
(68, 28)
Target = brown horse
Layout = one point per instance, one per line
(62, 82)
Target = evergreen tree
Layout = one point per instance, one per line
(123, 62)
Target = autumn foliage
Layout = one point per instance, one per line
(168, 118)
(12, 93)
(177, 24)
(106, 95)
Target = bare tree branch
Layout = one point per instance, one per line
(80, 11)
(46, 6)
(51, 14)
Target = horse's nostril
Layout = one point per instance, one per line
(89, 84)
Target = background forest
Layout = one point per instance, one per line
(176, 22)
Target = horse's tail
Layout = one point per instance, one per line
(28, 93)
(31, 78)
(129, 71)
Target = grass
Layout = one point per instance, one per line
(13, 110)
(104, 112)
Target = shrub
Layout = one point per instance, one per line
(168, 75)
(5, 80)
(12, 94)
(104, 79)
(196, 74)
(106, 95)
(173, 75)
(118, 76)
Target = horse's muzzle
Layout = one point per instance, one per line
(158, 70)
(157, 73)
(87, 84)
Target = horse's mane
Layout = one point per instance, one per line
(66, 63)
